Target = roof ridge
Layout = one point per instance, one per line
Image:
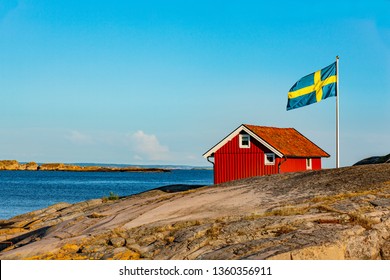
(268, 126)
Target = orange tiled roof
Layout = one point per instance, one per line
(288, 141)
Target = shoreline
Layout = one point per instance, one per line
(14, 165)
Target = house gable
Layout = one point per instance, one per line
(235, 147)
(236, 132)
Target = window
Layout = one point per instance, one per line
(245, 141)
(269, 159)
(308, 163)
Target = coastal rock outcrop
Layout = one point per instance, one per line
(328, 214)
(374, 160)
(51, 167)
(9, 165)
(33, 166)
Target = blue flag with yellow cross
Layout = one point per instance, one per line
(313, 88)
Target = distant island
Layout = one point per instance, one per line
(33, 166)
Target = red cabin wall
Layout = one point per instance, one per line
(293, 164)
(232, 162)
(316, 164)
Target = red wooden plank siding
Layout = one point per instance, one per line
(293, 164)
(299, 164)
(233, 162)
(236, 166)
(316, 164)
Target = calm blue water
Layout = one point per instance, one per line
(25, 191)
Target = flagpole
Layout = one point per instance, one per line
(337, 115)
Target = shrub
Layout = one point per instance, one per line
(112, 196)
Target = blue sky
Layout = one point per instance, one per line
(161, 82)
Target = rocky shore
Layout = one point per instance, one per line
(33, 166)
(328, 214)
(374, 160)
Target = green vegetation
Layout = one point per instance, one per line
(112, 196)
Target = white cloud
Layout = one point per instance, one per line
(147, 146)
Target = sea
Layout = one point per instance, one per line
(26, 191)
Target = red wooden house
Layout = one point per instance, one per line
(259, 150)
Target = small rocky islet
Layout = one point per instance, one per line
(33, 166)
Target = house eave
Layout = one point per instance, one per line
(307, 156)
(233, 134)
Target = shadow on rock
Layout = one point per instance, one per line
(25, 238)
(178, 188)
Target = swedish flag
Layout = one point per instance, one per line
(313, 88)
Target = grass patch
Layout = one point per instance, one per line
(341, 196)
(112, 196)
(288, 211)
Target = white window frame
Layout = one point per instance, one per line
(266, 161)
(309, 164)
(241, 138)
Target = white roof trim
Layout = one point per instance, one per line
(235, 133)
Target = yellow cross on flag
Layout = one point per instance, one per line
(313, 88)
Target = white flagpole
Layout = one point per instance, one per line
(337, 115)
